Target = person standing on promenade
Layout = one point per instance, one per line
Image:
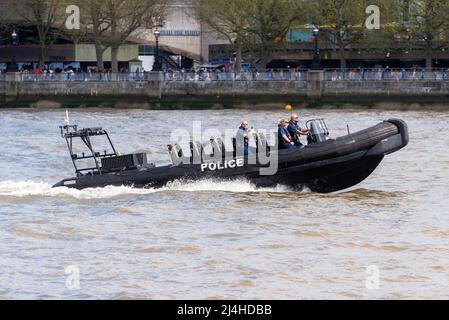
(36, 72)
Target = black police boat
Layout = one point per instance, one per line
(325, 165)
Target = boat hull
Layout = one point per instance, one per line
(323, 167)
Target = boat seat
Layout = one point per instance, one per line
(218, 147)
(234, 146)
(207, 150)
(196, 152)
(262, 143)
(176, 154)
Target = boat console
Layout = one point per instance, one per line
(318, 131)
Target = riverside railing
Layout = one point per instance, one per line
(277, 75)
(77, 76)
(385, 74)
(206, 76)
(287, 75)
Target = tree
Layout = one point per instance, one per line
(392, 33)
(94, 21)
(429, 23)
(342, 21)
(250, 24)
(269, 22)
(123, 18)
(45, 15)
(415, 25)
(225, 18)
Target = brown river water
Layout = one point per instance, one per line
(387, 238)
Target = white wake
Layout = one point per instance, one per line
(26, 189)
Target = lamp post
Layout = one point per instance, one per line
(157, 59)
(15, 42)
(316, 63)
(154, 24)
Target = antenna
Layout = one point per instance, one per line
(67, 119)
(67, 127)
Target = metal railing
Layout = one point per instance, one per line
(385, 74)
(277, 75)
(381, 74)
(78, 76)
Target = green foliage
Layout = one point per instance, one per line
(430, 19)
(112, 22)
(405, 24)
(225, 17)
(250, 24)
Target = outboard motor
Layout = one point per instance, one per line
(318, 131)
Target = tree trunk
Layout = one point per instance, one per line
(96, 25)
(114, 58)
(429, 53)
(238, 62)
(343, 62)
(99, 52)
(41, 56)
(429, 61)
(429, 65)
(264, 59)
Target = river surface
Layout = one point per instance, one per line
(387, 238)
